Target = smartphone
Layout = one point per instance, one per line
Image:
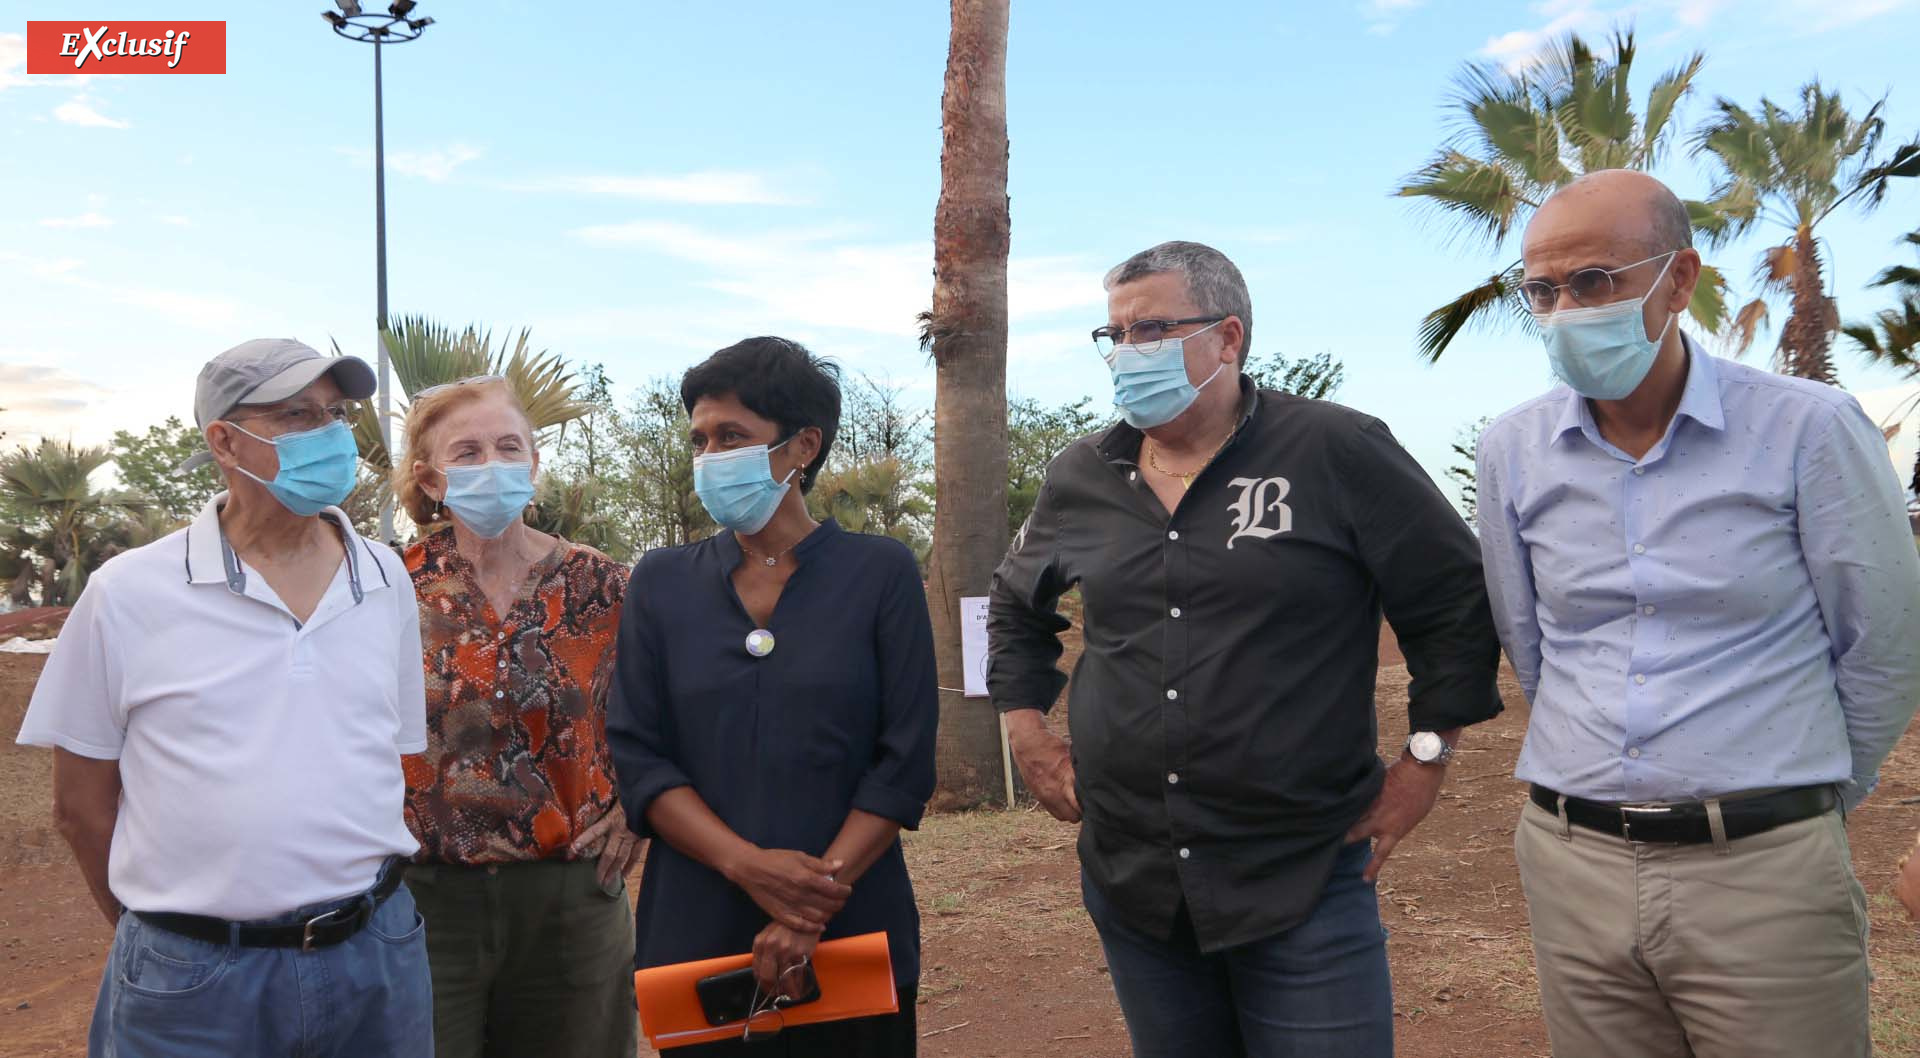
(727, 998)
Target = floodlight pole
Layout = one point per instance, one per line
(380, 30)
(380, 278)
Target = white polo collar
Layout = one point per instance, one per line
(211, 560)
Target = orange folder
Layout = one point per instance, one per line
(856, 981)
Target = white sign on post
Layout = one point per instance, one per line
(973, 655)
(973, 644)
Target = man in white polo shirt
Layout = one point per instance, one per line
(227, 708)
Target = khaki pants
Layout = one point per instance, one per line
(529, 960)
(1680, 951)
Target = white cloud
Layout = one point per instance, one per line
(1695, 14)
(13, 67)
(80, 111)
(714, 188)
(175, 220)
(13, 59)
(1517, 49)
(435, 165)
(1520, 48)
(190, 309)
(44, 401)
(1834, 14)
(88, 219)
(818, 278)
(1383, 16)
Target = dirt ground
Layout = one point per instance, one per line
(1012, 967)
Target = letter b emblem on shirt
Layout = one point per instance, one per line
(1261, 511)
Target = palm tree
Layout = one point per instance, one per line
(571, 509)
(877, 495)
(1893, 336)
(966, 332)
(1791, 171)
(66, 519)
(1525, 133)
(425, 353)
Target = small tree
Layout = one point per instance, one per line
(1893, 336)
(1791, 172)
(1317, 377)
(146, 463)
(61, 518)
(1036, 433)
(1462, 471)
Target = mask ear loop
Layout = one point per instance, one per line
(1217, 370)
(795, 470)
(1671, 316)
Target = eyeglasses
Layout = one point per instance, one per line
(468, 381)
(1591, 287)
(307, 415)
(764, 1014)
(1146, 334)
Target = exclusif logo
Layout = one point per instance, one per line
(126, 47)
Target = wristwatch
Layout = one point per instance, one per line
(1428, 747)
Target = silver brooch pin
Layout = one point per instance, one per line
(760, 642)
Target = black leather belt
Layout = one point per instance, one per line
(1685, 822)
(321, 931)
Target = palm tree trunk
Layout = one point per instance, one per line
(967, 329)
(1808, 335)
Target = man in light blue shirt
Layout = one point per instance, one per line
(1705, 580)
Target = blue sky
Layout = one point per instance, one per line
(642, 183)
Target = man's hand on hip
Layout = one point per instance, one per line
(1407, 796)
(1045, 763)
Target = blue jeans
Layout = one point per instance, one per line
(168, 996)
(1319, 990)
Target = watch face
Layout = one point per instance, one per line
(1426, 746)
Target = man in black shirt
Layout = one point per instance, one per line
(1235, 549)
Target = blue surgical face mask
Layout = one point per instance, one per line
(489, 497)
(317, 467)
(737, 487)
(1603, 353)
(1152, 389)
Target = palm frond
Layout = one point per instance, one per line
(1487, 303)
(1662, 101)
(542, 381)
(1740, 143)
(1501, 113)
(1774, 272)
(1747, 325)
(1596, 111)
(1709, 305)
(1872, 182)
(428, 353)
(1892, 339)
(1732, 210)
(1481, 195)
(1898, 276)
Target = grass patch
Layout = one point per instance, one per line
(1896, 1006)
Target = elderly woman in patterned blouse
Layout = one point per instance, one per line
(524, 852)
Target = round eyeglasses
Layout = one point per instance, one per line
(1590, 287)
(1144, 335)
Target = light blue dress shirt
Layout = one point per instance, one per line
(1738, 609)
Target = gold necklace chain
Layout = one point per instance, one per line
(1186, 480)
(769, 559)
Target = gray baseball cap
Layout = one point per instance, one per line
(265, 371)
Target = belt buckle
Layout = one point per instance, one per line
(1626, 821)
(306, 934)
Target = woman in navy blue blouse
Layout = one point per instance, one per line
(772, 720)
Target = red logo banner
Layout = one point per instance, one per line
(109, 47)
